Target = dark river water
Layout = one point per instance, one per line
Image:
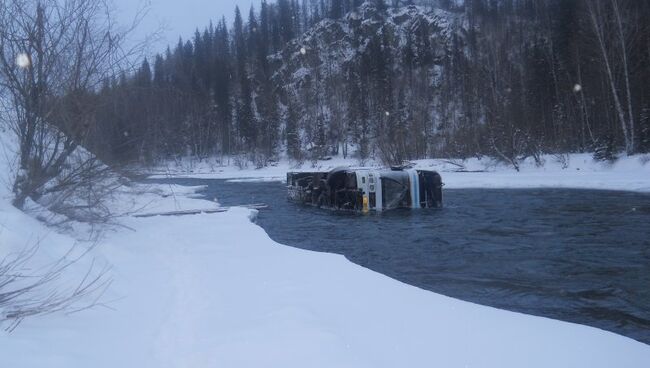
(575, 255)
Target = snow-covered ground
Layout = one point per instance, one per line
(215, 291)
(575, 171)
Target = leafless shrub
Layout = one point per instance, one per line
(241, 161)
(537, 154)
(644, 159)
(83, 190)
(563, 159)
(26, 293)
(259, 159)
(510, 156)
(298, 162)
(515, 147)
(392, 152)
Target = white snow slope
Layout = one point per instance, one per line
(214, 291)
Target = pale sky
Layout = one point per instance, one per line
(179, 17)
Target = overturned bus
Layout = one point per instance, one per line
(366, 190)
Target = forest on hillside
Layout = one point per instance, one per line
(390, 80)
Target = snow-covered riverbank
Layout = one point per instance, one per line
(573, 171)
(215, 291)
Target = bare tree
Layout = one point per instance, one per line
(600, 22)
(53, 55)
(621, 32)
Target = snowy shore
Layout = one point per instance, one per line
(215, 291)
(578, 171)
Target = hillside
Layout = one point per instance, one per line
(367, 85)
(333, 46)
(497, 79)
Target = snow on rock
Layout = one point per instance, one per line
(331, 45)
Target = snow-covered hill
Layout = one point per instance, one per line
(330, 46)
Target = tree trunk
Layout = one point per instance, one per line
(600, 35)
(626, 73)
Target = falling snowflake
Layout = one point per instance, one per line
(303, 50)
(22, 60)
(387, 113)
(577, 88)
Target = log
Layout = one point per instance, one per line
(255, 206)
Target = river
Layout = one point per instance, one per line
(575, 255)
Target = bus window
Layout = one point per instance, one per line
(395, 193)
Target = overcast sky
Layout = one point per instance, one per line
(179, 17)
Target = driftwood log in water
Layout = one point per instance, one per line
(255, 206)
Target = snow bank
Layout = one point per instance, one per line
(215, 291)
(573, 171)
